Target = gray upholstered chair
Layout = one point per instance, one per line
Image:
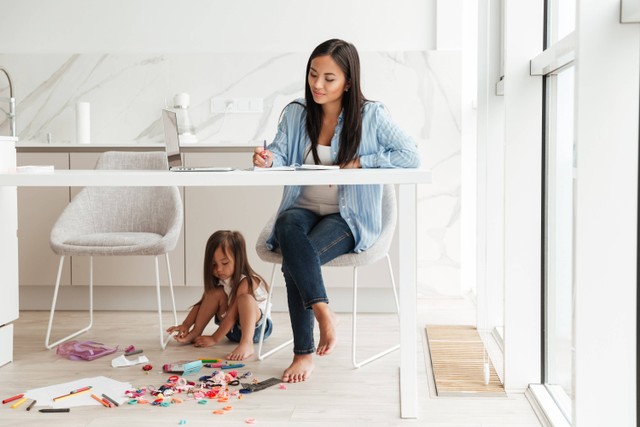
(378, 251)
(103, 221)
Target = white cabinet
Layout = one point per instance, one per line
(8, 253)
(39, 207)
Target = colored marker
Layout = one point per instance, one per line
(74, 393)
(11, 399)
(100, 400)
(31, 405)
(236, 366)
(216, 365)
(80, 389)
(110, 399)
(18, 403)
(210, 360)
(55, 410)
(131, 353)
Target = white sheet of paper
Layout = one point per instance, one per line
(112, 388)
(121, 361)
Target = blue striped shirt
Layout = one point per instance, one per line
(383, 145)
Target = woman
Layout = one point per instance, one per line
(334, 124)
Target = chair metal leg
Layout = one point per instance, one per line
(264, 324)
(49, 345)
(164, 341)
(357, 364)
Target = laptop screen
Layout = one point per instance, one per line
(171, 140)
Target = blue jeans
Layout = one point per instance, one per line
(307, 241)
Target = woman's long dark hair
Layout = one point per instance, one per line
(232, 243)
(346, 56)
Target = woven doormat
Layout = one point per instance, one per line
(457, 360)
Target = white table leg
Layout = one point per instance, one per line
(407, 276)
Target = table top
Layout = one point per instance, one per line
(235, 178)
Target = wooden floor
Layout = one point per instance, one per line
(337, 395)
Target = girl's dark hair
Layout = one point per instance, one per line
(346, 56)
(233, 244)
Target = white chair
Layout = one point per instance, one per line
(375, 253)
(104, 221)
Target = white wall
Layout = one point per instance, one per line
(196, 26)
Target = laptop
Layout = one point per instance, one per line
(172, 146)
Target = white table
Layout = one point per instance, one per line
(405, 178)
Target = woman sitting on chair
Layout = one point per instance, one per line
(333, 125)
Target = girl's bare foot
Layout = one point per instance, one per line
(299, 370)
(204, 341)
(241, 352)
(185, 338)
(327, 321)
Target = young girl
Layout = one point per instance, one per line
(334, 124)
(233, 293)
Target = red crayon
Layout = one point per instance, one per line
(11, 399)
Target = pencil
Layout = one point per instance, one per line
(100, 400)
(19, 402)
(31, 405)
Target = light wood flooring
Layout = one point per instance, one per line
(337, 395)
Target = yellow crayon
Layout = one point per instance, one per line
(19, 402)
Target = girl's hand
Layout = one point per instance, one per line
(180, 329)
(262, 158)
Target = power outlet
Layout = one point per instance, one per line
(236, 105)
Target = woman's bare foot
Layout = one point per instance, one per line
(241, 352)
(327, 322)
(299, 370)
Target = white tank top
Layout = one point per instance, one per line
(260, 292)
(320, 199)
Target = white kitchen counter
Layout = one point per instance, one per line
(8, 252)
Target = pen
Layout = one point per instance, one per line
(264, 152)
(18, 403)
(31, 405)
(110, 399)
(11, 399)
(55, 410)
(100, 400)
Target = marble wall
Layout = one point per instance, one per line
(127, 91)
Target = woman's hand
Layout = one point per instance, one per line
(262, 158)
(353, 164)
